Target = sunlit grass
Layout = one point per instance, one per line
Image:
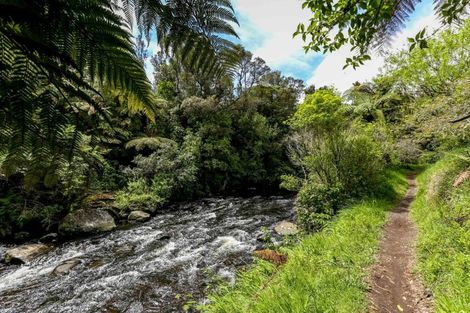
(442, 215)
(325, 272)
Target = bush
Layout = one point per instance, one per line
(316, 204)
(169, 172)
(311, 221)
(408, 151)
(321, 198)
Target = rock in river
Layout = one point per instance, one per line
(286, 228)
(65, 267)
(86, 221)
(25, 253)
(138, 216)
(49, 238)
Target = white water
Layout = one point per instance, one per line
(153, 267)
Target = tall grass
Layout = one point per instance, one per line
(442, 214)
(324, 273)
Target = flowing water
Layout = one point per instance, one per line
(154, 267)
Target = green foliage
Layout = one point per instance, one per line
(139, 194)
(22, 215)
(338, 159)
(320, 198)
(365, 25)
(410, 106)
(290, 182)
(59, 57)
(334, 259)
(442, 213)
(196, 32)
(320, 111)
(169, 172)
(436, 70)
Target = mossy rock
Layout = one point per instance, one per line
(86, 222)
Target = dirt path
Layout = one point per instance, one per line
(394, 287)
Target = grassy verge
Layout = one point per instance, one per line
(442, 213)
(325, 272)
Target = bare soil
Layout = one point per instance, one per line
(394, 286)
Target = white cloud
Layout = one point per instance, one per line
(330, 71)
(275, 21)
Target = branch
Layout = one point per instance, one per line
(460, 119)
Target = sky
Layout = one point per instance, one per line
(266, 28)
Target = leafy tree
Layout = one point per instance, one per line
(432, 71)
(322, 111)
(366, 25)
(196, 31)
(337, 158)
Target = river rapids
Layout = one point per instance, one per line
(157, 266)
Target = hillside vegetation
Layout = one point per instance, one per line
(442, 213)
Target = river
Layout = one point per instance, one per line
(157, 266)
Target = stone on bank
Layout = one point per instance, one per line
(86, 222)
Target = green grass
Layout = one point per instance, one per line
(442, 214)
(325, 272)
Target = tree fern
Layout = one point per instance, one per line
(56, 55)
(194, 30)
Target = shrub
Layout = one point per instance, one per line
(311, 221)
(408, 151)
(167, 173)
(321, 198)
(338, 159)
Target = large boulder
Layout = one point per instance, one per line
(25, 253)
(85, 222)
(138, 216)
(286, 228)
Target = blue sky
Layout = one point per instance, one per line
(266, 28)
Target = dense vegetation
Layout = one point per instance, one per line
(365, 26)
(90, 123)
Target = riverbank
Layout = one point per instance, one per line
(324, 263)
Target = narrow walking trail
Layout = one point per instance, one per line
(394, 286)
